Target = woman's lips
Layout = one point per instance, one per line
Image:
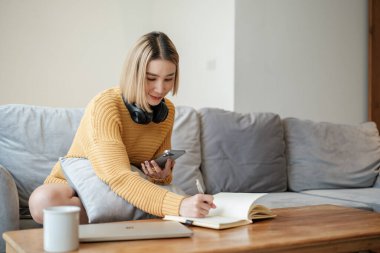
(155, 98)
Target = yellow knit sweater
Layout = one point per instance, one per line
(111, 140)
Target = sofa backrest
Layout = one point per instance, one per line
(242, 152)
(186, 136)
(323, 155)
(226, 151)
(31, 140)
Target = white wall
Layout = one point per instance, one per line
(63, 52)
(302, 58)
(203, 31)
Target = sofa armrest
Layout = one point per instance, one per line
(9, 205)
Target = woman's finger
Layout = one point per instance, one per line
(149, 169)
(156, 167)
(206, 201)
(169, 164)
(144, 169)
(203, 212)
(205, 209)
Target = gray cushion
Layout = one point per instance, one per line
(100, 202)
(242, 152)
(326, 155)
(9, 205)
(377, 183)
(368, 196)
(186, 136)
(293, 199)
(32, 138)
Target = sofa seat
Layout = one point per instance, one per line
(295, 199)
(366, 196)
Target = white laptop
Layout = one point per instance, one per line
(118, 231)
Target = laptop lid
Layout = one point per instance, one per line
(117, 231)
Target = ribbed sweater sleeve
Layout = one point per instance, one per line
(56, 176)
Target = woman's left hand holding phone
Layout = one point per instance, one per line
(153, 170)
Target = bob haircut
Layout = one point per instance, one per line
(151, 46)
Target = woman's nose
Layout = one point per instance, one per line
(160, 87)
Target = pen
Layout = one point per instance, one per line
(199, 187)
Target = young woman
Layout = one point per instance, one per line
(129, 125)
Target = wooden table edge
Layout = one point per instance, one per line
(359, 243)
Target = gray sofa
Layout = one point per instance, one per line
(297, 162)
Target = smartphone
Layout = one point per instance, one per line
(169, 153)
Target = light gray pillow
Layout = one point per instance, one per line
(186, 136)
(31, 140)
(100, 202)
(9, 206)
(326, 155)
(242, 152)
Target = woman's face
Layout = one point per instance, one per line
(160, 75)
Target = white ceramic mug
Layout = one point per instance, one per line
(61, 228)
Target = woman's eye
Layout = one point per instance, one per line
(151, 79)
(168, 80)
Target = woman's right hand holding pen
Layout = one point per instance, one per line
(197, 206)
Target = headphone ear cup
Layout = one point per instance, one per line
(160, 112)
(138, 115)
(141, 117)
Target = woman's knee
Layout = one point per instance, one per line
(48, 195)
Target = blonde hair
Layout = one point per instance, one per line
(151, 46)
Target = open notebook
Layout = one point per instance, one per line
(118, 231)
(232, 210)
